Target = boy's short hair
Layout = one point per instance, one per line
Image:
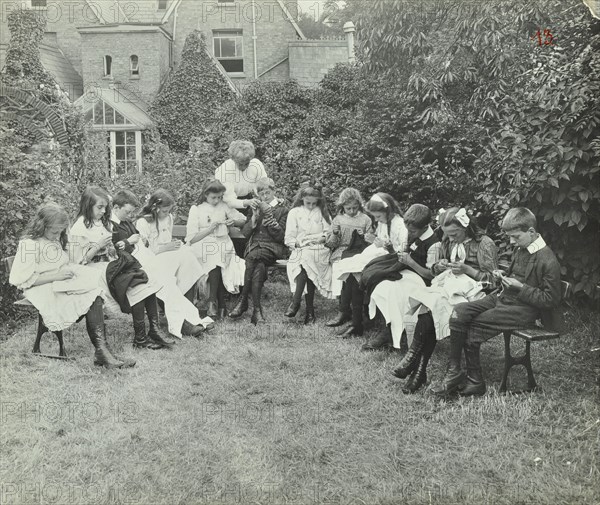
(265, 182)
(124, 197)
(418, 215)
(519, 218)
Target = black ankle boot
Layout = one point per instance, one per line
(256, 312)
(212, 311)
(309, 316)
(94, 323)
(240, 308)
(381, 341)
(293, 309)
(454, 378)
(155, 333)
(351, 331)
(423, 331)
(341, 318)
(474, 385)
(191, 330)
(140, 339)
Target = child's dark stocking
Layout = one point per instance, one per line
(309, 317)
(301, 279)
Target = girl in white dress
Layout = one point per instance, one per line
(182, 315)
(61, 290)
(156, 231)
(390, 236)
(307, 227)
(208, 235)
(91, 241)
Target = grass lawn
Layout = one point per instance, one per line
(280, 413)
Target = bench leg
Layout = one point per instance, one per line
(532, 385)
(510, 361)
(41, 329)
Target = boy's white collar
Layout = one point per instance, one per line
(428, 233)
(536, 245)
(114, 218)
(274, 202)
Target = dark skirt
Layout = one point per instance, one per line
(383, 268)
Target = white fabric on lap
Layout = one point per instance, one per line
(392, 299)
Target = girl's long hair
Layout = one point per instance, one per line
(347, 196)
(211, 186)
(160, 198)
(47, 215)
(389, 205)
(89, 198)
(314, 191)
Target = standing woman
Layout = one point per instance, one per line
(239, 174)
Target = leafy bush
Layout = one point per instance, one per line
(28, 180)
(184, 108)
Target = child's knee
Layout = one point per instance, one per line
(460, 316)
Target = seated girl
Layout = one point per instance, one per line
(390, 236)
(182, 315)
(91, 241)
(350, 219)
(61, 290)
(391, 297)
(308, 268)
(208, 234)
(468, 258)
(265, 231)
(156, 231)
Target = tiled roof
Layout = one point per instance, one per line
(55, 62)
(60, 67)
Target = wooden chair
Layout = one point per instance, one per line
(536, 334)
(42, 330)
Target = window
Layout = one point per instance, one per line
(228, 46)
(107, 66)
(162, 5)
(104, 115)
(38, 3)
(125, 152)
(134, 68)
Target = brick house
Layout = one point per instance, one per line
(113, 56)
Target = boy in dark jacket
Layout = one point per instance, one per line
(265, 231)
(531, 286)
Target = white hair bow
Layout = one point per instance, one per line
(462, 218)
(377, 198)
